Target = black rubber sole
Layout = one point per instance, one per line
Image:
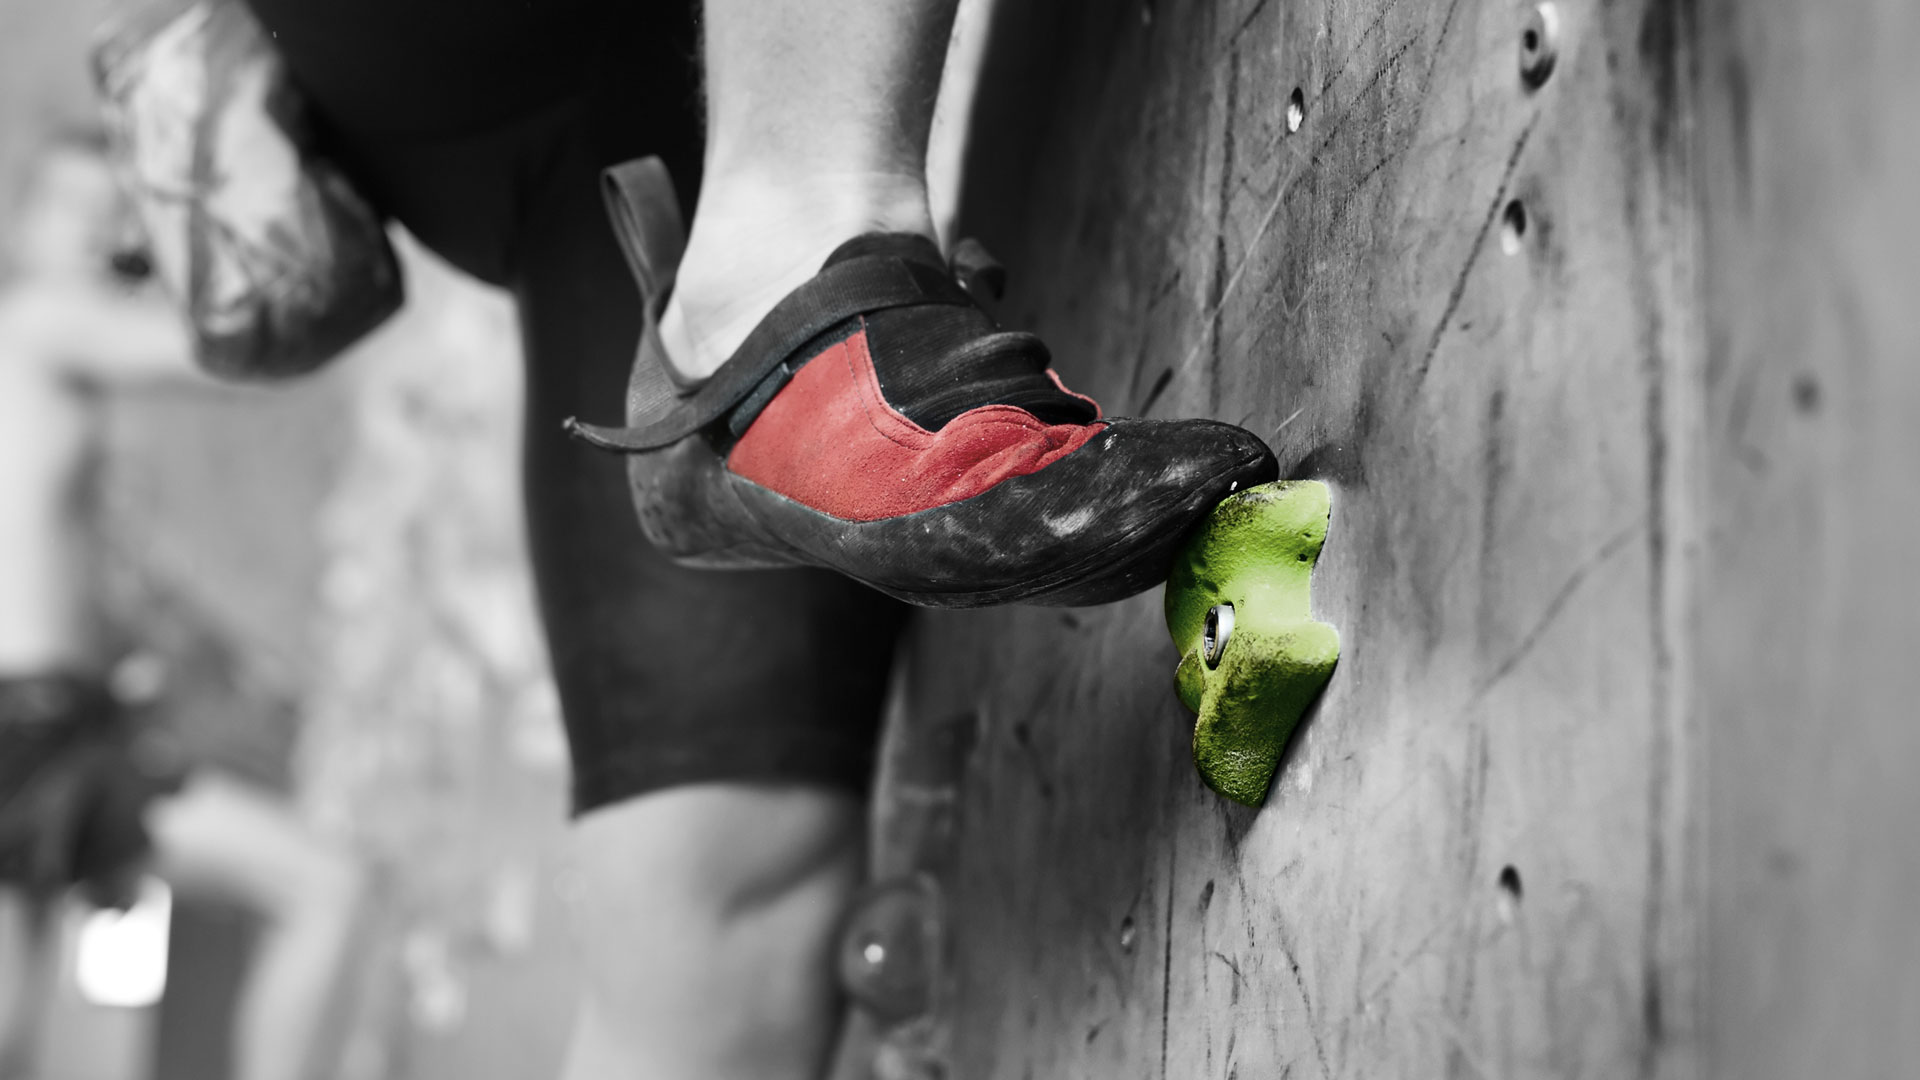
(1085, 530)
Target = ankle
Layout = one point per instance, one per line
(755, 240)
(865, 199)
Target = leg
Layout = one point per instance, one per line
(719, 901)
(721, 724)
(224, 837)
(818, 117)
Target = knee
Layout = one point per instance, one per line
(712, 881)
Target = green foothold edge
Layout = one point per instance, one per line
(1257, 552)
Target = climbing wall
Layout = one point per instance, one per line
(1600, 321)
(1439, 255)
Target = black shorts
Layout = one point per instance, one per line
(77, 773)
(486, 142)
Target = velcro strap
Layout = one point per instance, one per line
(659, 416)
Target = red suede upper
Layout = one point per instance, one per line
(830, 440)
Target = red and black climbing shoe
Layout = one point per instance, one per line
(878, 423)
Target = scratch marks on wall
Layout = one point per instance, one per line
(1459, 289)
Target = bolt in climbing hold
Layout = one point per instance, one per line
(1252, 657)
(1539, 44)
(889, 948)
(1213, 641)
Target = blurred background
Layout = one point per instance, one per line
(332, 575)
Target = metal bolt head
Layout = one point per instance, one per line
(1539, 44)
(888, 949)
(1219, 630)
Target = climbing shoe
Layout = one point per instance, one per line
(878, 423)
(277, 262)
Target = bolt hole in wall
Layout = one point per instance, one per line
(1539, 45)
(1296, 110)
(1510, 892)
(1513, 227)
(1510, 882)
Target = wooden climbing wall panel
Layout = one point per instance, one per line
(1465, 303)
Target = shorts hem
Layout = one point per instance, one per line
(831, 764)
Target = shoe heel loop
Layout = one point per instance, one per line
(645, 213)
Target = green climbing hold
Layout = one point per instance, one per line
(1252, 656)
